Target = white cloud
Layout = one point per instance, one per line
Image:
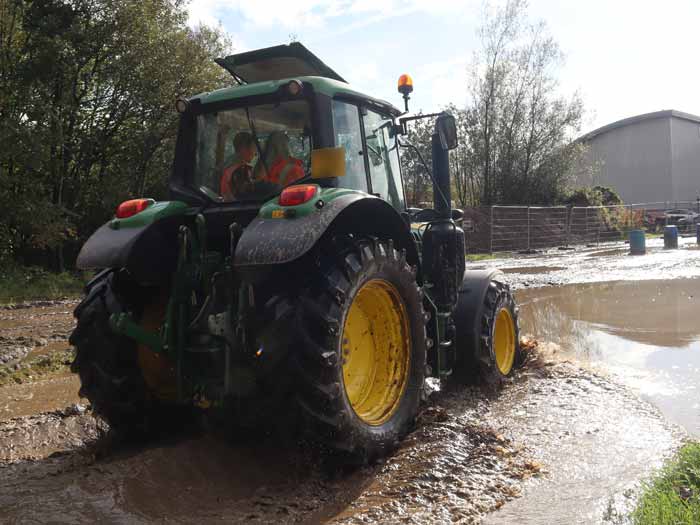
(205, 12)
(447, 83)
(313, 13)
(267, 13)
(364, 72)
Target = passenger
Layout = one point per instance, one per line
(238, 177)
(281, 168)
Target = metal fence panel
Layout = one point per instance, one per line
(523, 228)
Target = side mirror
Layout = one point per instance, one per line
(446, 127)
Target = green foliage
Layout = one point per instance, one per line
(673, 496)
(476, 257)
(593, 196)
(87, 91)
(32, 283)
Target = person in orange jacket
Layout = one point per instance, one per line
(280, 167)
(238, 176)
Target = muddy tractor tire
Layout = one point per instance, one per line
(107, 363)
(361, 357)
(488, 337)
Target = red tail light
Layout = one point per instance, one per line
(295, 195)
(132, 207)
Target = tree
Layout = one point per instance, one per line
(87, 101)
(517, 129)
(417, 182)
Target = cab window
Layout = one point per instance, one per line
(382, 154)
(348, 134)
(252, 153)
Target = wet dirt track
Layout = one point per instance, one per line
(469, 455)
(559, 445)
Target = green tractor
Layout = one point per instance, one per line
(287, 279)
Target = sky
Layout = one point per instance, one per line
(625, 57)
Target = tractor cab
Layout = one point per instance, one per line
(290, 119)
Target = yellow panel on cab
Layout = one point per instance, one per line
(328, 162)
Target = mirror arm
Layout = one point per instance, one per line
(402, 130)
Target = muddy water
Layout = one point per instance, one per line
(645, 333)
(48, 394)
(596, 441)
(579, 436)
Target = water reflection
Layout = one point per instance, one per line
(645, 332)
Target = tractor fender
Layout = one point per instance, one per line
(148, 251)
(470, 304)
(270, 242)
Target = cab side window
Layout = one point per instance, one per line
(382, 154)
(348, 133)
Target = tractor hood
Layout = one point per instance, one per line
(275, 63)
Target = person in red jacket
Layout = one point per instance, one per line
(238, 176)
(280, 167)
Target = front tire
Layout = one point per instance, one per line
(495, 353)
(361, 360)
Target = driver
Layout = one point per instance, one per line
(280, 167)
(238, 176)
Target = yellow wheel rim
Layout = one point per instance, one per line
(504, 341)
(375, 347)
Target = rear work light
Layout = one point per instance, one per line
(129, 208)
(295, 195)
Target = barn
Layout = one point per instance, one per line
(653, 157)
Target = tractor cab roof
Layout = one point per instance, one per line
(265, 71)
(275, 63)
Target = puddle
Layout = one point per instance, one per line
(40, 396)
(645, 333)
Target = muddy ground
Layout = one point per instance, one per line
(560, 443)
(572, 441)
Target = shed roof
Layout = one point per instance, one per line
(666, 113)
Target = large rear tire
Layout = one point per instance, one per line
(107, 363)
(110, 365)
(361, 358)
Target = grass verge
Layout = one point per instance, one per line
(474, 257)
(673, 496)
(18, 284)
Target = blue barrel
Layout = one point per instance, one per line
(638, 244)
(670, 237)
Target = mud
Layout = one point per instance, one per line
(52, 393)
(29, 327)
(471, 453)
